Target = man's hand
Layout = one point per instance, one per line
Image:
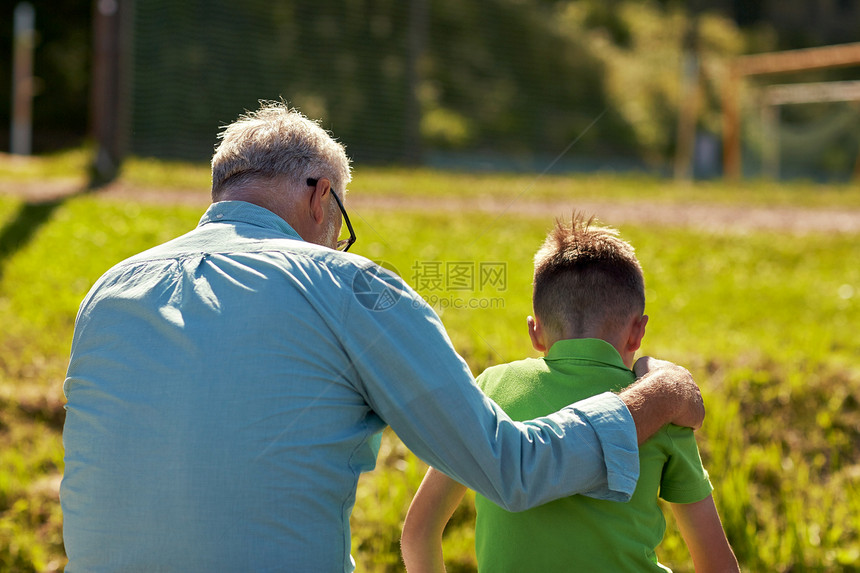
(665, 393)
(691, 412)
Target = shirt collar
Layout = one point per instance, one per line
(593, 349)
(244, 212)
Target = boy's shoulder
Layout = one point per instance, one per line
(517, 367)
(512, 383)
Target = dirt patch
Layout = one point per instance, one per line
(706, 216)
(722, 218)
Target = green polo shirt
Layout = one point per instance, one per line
(579, 533)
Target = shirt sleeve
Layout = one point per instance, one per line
(685, 479)
(413, 379)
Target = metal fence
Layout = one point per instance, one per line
(395, 80)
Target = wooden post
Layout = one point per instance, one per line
(105, 112)
(731, 126)
(22, 80)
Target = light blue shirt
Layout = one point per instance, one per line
(226, 390)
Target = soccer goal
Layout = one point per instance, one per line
(835, 126)
(839, 129)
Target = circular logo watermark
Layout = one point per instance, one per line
(377, 286)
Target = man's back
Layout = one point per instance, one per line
(582, 533)
(183, 408)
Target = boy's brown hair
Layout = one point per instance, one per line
(586, 279)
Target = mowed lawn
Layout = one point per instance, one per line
(764, 320)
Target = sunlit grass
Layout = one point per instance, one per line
(159, 174)
(764, 320)
(519, 187)
(71, 164)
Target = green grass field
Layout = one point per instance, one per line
(764, 320)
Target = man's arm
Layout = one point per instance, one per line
(664, 393)
(403, 365)
(702, 531)
(434, 504)
(400, 360)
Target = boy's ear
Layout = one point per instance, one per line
(536, 334)
(636, 333)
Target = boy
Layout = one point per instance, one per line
(589, 299)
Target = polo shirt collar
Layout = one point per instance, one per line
(593, 349)
(244, 212)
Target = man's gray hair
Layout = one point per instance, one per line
(276, 141)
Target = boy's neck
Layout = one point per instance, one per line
(625, 338)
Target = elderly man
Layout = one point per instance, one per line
(227, 388)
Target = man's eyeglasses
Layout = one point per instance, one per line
(343, 244)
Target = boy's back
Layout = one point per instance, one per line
(581, 533)
(589, 302)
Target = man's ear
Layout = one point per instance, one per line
(536, 334)
(322, 187)
(636, 333)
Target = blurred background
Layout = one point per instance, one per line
(481, 85)
(472, 123)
